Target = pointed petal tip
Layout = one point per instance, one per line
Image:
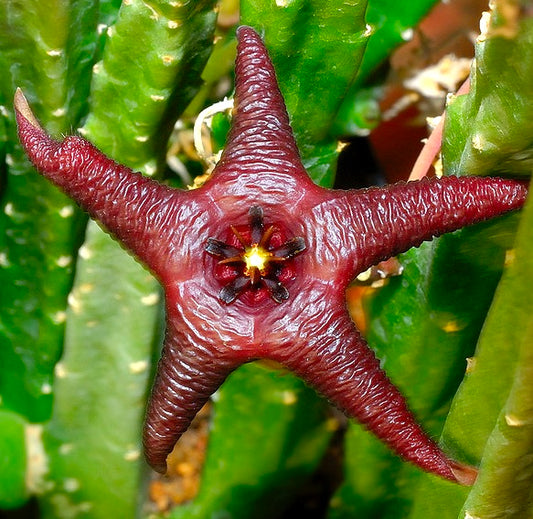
(154, 455)
(246, 30)
(464, 474)
(23, 109)
(160, 468)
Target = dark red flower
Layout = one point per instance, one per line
(256, 262)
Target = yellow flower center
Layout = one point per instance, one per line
(256, 257)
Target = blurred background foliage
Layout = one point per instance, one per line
(81, 321)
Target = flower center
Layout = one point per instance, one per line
(256, 257)
(254, 261)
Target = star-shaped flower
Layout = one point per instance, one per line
(256, 262)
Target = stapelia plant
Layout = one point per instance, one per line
(259, 257)
(283, 285)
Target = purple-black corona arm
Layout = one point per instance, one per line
(256, 262)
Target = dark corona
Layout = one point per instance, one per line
(255, 260)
